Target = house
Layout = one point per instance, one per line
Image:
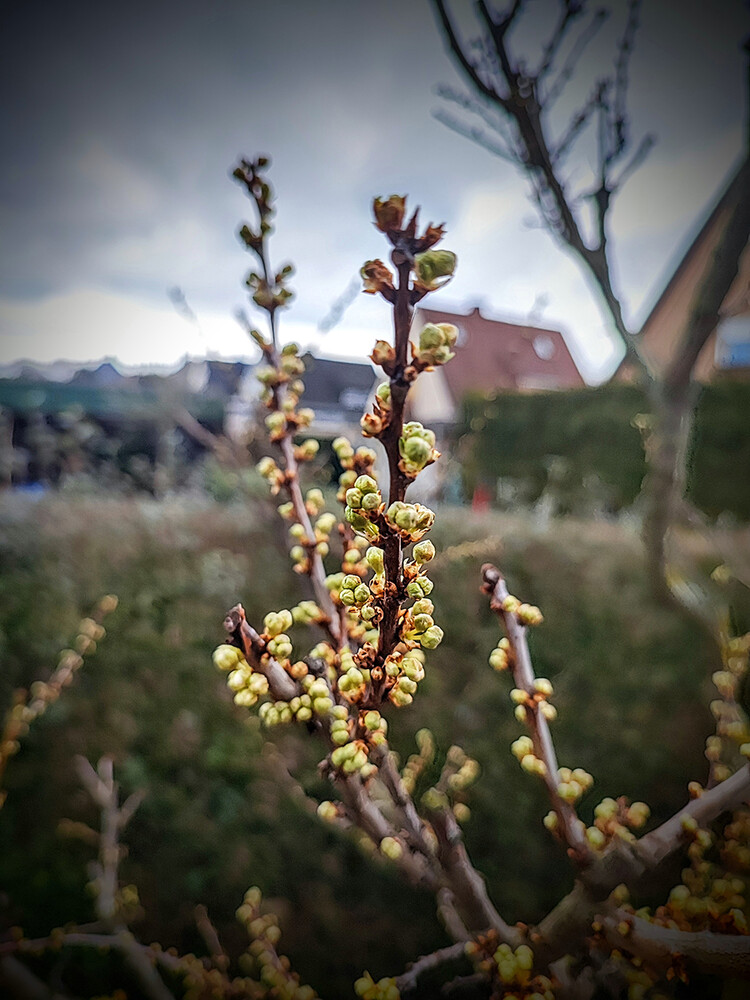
(491, 355)
(727, 350)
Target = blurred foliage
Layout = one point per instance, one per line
(632, 686)
(582, 446)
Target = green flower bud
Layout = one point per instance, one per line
(375, 560)
(432, 265)
(372, 720)
(432, 638)
(430, 336)
(343, 448)
(383, 392)
(354, 498)
(277, 622)
(406, 518)
(423, 622)
(226, 657)
(326, 523)
(286, 510)
(297, 554)
(391, 848)
(366, 484)
(327, 811)
(416, 451)
(371, 501)
(266, 467)
(407, 684)
(423, 551)
(280, 646)
(362, 593)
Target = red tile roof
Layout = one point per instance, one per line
(492, 354)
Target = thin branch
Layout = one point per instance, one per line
(657, 845)
(570, 827)
(458, 51)
(476, 134)
(469, 887)
(208, 932)
(409, 979)
(577, 50)
(571, 9)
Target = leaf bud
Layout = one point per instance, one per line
(389, 212)
(432, 265)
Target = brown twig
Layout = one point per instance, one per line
(706, 952)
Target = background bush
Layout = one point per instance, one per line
(592, 431)
(632, 687)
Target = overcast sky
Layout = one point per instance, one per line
(122, 122)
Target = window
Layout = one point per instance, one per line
(544, 347)
(733, 343)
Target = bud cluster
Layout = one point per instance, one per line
(535, 700)
(412, 520)
(616, 818)
(512, 970)
(274, 971)
(26, 708)
(417, 448)
(436, 343)
(383, 989)
(405, 671)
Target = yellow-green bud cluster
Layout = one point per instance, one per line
(514, 967)
(289, 363)
(420, 625)
(573, 783)
(351, 758)
(270, 471)
(434, 268)
(436, 343)
(363, 500)
(420, 586)
(307, 451)
(277, 622)
(247, 684)
(416, 447)
(465, 776)
(410, 518)
(273, 970)
(383, 989)
(527, 614)
(406, 670)
(615, 818)
(375, 726)
(500, 655)
(306, 613)
(353, 592)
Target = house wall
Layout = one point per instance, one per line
(663, 330)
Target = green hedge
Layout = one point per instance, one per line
(592, 431)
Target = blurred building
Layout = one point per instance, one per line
(726, 353)
(491, 355)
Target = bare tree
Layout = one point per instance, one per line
(514, 97)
